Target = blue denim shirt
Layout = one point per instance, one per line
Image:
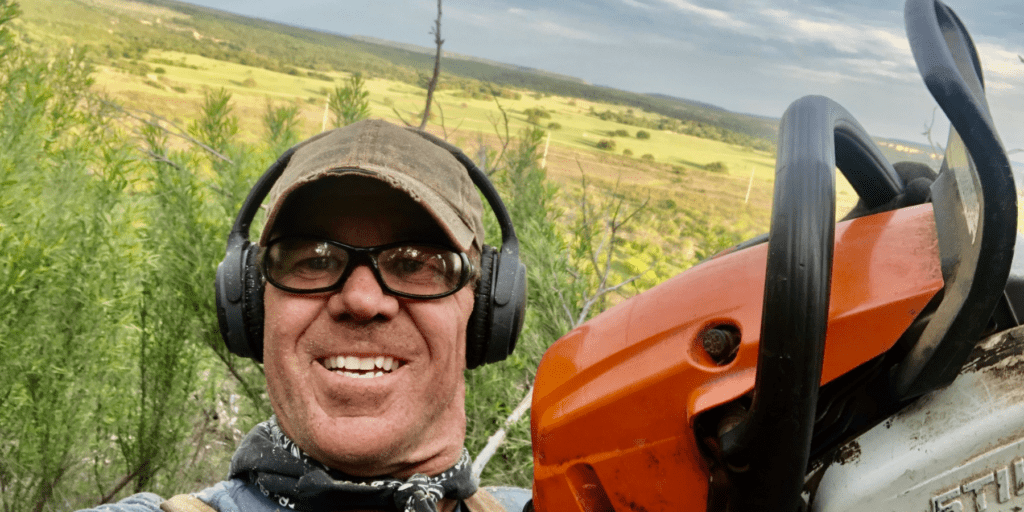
(236, 496)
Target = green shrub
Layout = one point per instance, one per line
(716, 167)
(554, 126)
(349, 103)
(607, 144)
(643, 134)
(627, 152)
(647, 157)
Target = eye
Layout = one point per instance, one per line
(407, 262)
(317, 263)
(305, 264)
(314, 258)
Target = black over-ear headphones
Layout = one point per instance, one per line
(500, 301)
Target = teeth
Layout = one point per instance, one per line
(359, 365)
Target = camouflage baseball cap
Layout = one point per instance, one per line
(401, 157)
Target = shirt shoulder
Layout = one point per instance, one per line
(513, 499)
(142, 502)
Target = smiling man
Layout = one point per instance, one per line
(370, 257)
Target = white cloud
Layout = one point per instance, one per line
(473, 18)
(637, 5)
(555, 29)
(714, 16)
(1004, 63)
(541, 23)
(845, 37)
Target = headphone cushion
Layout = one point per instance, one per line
(252, 303)
(478, 332)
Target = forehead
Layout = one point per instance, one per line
(357, 210)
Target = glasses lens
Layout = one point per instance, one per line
(302, 264)
(420, 270)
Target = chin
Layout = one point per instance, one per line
(368, 447)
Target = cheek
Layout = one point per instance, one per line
(443, 326)
(286, 316)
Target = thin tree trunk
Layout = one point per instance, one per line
(437, 67)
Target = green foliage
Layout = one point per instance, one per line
(627, 152)
(282, 126)
(711, 237)
(643, 134)
(716, 167)
(493, 391)
(606, 144)
(554, 126)
(349, 103)
(647, 157)
(535, 114)
(697, 128)
(105, 298)
(619, 133)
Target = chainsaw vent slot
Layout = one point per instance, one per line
(588, 489)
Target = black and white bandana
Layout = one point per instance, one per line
(284, 473)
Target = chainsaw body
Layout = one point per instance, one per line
(870, 364)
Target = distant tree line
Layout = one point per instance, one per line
(694, 128)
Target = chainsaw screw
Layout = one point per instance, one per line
(721, 343)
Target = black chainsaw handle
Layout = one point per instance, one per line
(767, 451)
(974, 198)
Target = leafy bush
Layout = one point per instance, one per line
(619, 133)
(647, 157)
(534, 115)
(349, 103)
(607, 144)
(716, 167)
(627, 152)
(554, 126)
(643, 135)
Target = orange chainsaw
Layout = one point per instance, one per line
(872, 364)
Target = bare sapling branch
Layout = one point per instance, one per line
(436, 31)
(598, 239)
(498, 437)
(938, 149)
(504, 139)
(156, 122)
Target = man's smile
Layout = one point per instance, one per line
(363, 367)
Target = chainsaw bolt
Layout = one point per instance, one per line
(721, 343)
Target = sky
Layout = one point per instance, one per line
(749, 56)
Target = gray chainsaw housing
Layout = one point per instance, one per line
(956, 449)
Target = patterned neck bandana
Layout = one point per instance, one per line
(270, 460)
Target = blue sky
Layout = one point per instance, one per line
(752, 56)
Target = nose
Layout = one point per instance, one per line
(361, 298)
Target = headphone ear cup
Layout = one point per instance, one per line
(239, 289)
(252, 304)
(508, 305)
(499, 308)
(478, 331)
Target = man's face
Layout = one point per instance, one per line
(409, 420)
